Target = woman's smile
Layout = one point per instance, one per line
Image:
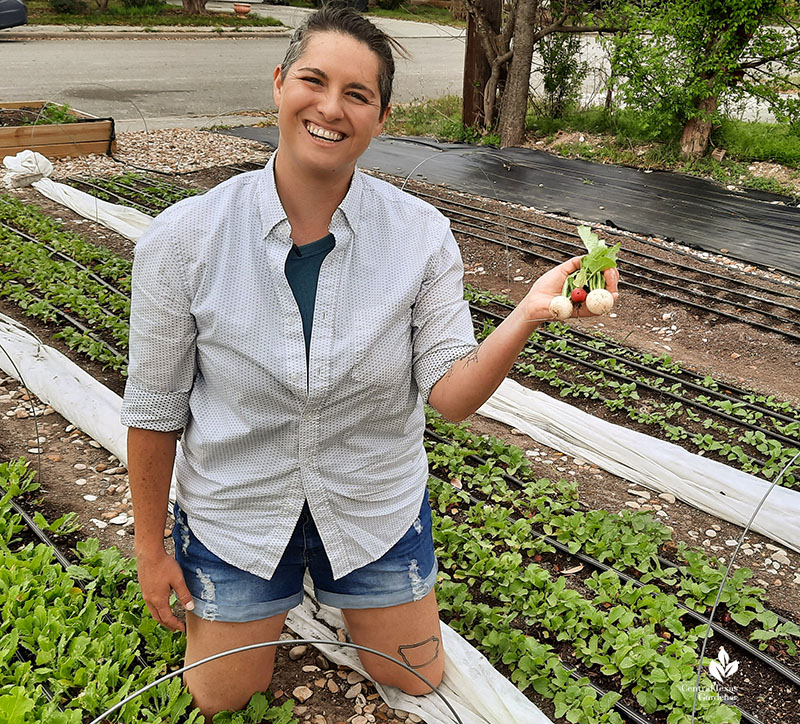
(324, 134)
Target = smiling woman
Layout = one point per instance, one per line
(292, 322)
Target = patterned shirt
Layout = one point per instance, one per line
(217, 348)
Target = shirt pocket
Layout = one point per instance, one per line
(382, 351)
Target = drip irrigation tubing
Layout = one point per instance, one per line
(101, 191)
(664, 562)
(659, 391)
(779, 668)
(674, 279)
(78, 325)
(680, 252)
(661, 295)
(689, 373)
(65, 257)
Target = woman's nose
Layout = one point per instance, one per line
(330, 105)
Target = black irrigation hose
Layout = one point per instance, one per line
(728, 386)
(646, 290)
(653, 388)
(78, 325)
(65, 257)
(664, 562)
(674, 279)
(639, 239)
(733, 638)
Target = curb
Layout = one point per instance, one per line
(105, 32)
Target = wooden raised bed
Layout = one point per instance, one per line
(55, 140)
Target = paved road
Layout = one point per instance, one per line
(165, 79)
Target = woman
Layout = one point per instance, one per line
(303, 450)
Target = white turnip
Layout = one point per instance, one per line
(599, 301)
(561, 307)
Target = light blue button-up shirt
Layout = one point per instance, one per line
(217, 348)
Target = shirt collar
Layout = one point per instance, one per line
(272, 212)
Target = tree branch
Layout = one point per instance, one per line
(770, 59)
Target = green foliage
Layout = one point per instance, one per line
(562, 71)
(775, 142)
(70, 7)
(677, 54)
(51, 113)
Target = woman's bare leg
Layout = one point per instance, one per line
(229, 682)
(409, 633)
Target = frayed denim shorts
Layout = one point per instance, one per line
(223, 592)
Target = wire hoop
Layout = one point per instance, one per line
(286, 642)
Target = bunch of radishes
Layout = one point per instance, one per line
(587, 285)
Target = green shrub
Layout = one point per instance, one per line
(70, 7)
(154, 5)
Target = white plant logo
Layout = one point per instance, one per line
(722, 668)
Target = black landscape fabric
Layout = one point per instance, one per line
(693, 211)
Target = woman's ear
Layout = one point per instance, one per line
(277, 86)
(381, 121)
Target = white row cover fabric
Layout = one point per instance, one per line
(29, 167)
(661, 466)
(60, 383)
(474, 688)
(25, 168)
(480, 694)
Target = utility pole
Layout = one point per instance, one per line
(476, 66)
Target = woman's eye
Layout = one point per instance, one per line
(312, 79)
(359, 97)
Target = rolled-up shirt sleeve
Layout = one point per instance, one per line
(163, 335)
(441, 322)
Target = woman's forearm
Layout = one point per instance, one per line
(151, 456)
(471, 380)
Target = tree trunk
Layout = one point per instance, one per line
(514, 105)
(194, 7)
(697, 131)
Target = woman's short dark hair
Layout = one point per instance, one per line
(346, 20)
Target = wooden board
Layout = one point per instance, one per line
(57, 140)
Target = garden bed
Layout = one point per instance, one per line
(78, 477)
(34, 125)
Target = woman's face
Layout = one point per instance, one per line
(329, 104)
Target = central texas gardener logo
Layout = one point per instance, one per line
(721, 668)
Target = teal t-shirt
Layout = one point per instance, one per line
(302, 272)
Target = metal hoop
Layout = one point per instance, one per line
(252, 647)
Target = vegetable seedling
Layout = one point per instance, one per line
(587, 285)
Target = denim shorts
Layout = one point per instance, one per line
(223, 592)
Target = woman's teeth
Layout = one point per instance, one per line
(323, 133)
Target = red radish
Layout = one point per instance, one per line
(578, 295)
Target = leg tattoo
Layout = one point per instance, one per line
(427, 649)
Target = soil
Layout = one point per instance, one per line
(23, 116)
(79, 476)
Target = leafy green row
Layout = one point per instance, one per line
(81, 643)
(660, 364)
(572, 380)
(100, 260)
(643, 645)
(629, 540)
(141, 190)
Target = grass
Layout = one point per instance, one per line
(40, 12)
(440, 117)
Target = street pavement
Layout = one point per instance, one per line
(195, 77)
